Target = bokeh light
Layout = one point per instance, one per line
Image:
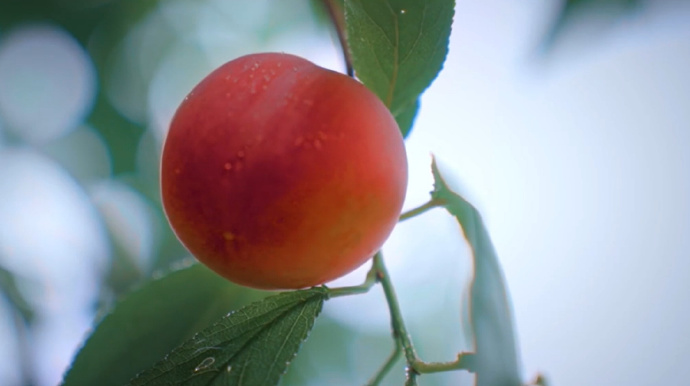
(129, 219)
(82, 153)
(52, 238)
(48, 82)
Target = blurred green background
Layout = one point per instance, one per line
(87, 89)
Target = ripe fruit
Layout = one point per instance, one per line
(277, 173)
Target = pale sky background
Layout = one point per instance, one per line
(579, 162)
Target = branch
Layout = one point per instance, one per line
(433, 203)
(337, 15)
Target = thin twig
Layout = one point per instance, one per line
(462, 362)
(410, 377)
(403, 342)
(387, 366)
(415, 365)
(433, 203)
(369, 282)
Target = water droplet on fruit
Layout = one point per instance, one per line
(294, 69)
(227, 166)
(267, 78)
(317, 144)
(177, 170)
(205, 364)
(308, 102)
(279, 64)
(240, 154)
(264, 87)
(299, 141)
(229, 236)
(323, 136)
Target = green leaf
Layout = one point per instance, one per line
(152, 321)
(398, 48)
(251, 346)
(496, 358)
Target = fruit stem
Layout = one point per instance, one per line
(433, 203)
(357, 289)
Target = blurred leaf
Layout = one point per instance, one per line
(79, 17)
(398, 48)
(79, 21)
(171, 251)
(353, 355)
(9, 288)
(123, 273)
(496, 359)
(121, 135)
(251, 346)
(573, 10)
(152, 321)
(311, 364)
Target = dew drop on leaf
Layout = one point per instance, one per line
(205, 364)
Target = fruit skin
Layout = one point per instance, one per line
(279, 174)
